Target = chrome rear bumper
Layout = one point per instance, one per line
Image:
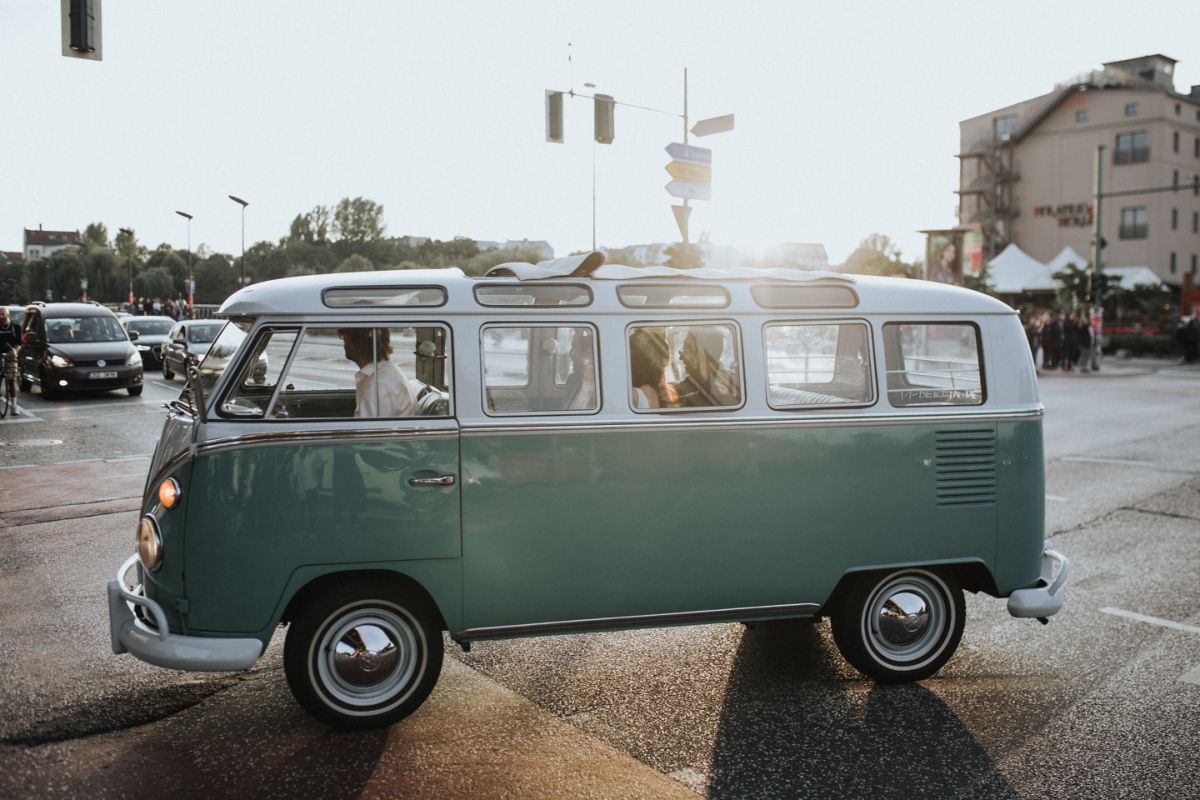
(1042, 601)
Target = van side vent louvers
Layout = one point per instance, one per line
(966, 467)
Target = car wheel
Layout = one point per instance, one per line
(899, 626)
(47, 386)
(134, 391)
(363, 656)
(167, 370)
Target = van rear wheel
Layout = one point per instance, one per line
(363, 656)
(899, 626)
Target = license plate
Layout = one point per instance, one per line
(101, 375)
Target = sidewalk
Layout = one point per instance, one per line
(1115, 367)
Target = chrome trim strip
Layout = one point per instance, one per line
(325, 435)
(648, 620)
(591, 426)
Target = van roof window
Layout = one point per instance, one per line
(384, 297)
(651, 295)
(507, 294)
(788, 296)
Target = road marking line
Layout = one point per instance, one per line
(1191, 677)
(1055, 498)
(1097, 460)
(1165, 623)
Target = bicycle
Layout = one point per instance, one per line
(8, 384)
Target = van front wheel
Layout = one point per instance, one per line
(362, 657)
(899, 626)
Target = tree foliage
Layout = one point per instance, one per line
(96, 235)
(877, 255)
(685, 256)
(358, 220)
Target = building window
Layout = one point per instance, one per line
(1178, 109)
(1196, 147)
(1081, 115)
(1131, 109)
(1004, 127)
(1175, 141)
(1196, 222)
(1193, 263)
(1174, 219)
(1132, 148)
(1133, 223)
(1172, 263)
(1175, 178)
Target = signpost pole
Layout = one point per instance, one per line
(683, 225)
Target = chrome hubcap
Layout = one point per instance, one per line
(369, 656)
(907, 619)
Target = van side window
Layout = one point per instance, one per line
(933, 364)
(347, 372)
(540, 369)
(688, 366)
(818, 364)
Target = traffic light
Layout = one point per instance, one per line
(83, 26)
(554, 116)
(604, 127)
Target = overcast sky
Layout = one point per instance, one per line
(847, 113)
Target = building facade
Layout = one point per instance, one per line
(41, 243)
(1027, 171)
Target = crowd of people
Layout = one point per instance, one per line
(1060, 341)
(154, 307)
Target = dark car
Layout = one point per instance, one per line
(187, 344)
(152, 337)
(76, 347)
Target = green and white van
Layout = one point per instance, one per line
(373, 459)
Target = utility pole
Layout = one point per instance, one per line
(1097, 309)
(129, 234)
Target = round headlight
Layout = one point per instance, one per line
(149, 543)
(169, 493)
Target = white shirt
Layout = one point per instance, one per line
(381, 390)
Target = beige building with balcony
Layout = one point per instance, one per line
(1027, 170)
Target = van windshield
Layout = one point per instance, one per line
(221, 354)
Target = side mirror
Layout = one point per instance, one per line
(133, 336)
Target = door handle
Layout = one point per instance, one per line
(441, 480)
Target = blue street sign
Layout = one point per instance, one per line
(688, 152)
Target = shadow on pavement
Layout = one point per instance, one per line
(867, 741)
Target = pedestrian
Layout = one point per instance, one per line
(1191, 340)
(1085, 343)
(1052, 337)
(1070, 334)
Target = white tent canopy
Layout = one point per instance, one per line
(1015, 271)
(1066, 256)
(1134, 276)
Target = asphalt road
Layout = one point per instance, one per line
(1100, 703)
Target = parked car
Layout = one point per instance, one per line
(76, 347)
(152, 336)
(16, 314)
(187, 344)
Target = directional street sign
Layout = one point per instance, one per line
(707, 127)
(681, 219)
(689, 191)
(687, 171)
(688, 152)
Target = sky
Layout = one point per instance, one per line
(846, 113)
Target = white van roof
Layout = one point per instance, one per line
(305, 294)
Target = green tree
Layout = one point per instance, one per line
(876, 255)
(1077, 289)
(621, 255)
(96, 235)
(216, 279)
(64, 274)
(355, 263)
(156, 282)
(105, 282)
(358, 220)
(480, 263)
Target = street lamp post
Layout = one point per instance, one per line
(191, 281)
(129, 234)
(243, 204)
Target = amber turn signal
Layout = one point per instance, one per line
(169, 493)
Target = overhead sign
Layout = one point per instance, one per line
(707, 127)
(687, 171)
(681, 219)
(688, 152)
(689, 191)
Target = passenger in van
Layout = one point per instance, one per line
(380, 388)
(581, 383)
(649, 355)
(708, 382)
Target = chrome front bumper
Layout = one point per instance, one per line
(1042, 601)
(157, 645)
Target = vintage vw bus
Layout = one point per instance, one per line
(376, 458)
